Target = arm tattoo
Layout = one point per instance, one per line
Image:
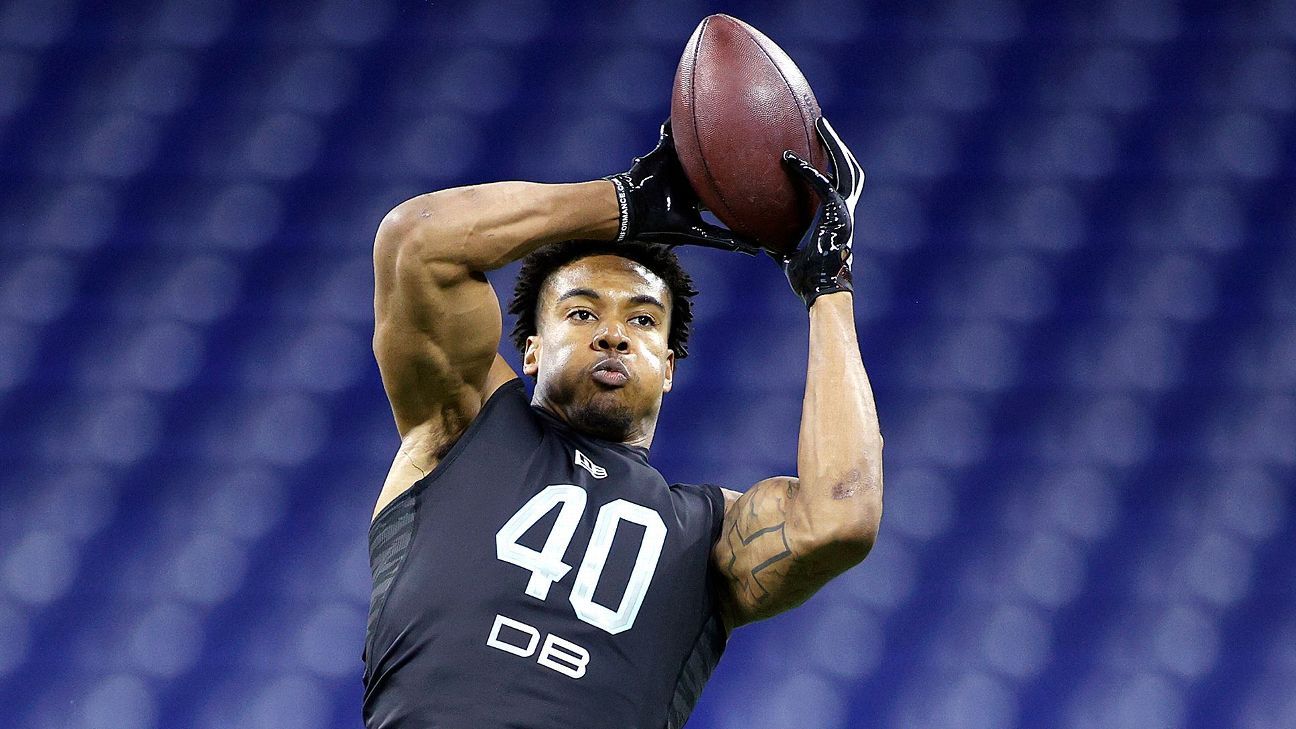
(746, 534)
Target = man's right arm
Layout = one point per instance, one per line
(437, 321)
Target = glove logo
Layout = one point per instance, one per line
(622, 206)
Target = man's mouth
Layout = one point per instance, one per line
(611, 372)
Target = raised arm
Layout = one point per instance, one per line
(437, 321)
(787, 536)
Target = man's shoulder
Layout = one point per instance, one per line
(711, 501)
(426, 447)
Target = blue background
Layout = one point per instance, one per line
(1076, 298)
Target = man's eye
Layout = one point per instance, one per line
(581, 315)
(644, 320)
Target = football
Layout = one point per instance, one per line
(738, 102)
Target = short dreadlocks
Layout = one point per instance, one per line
(659, 259)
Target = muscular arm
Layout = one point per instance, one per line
(437, 321)
(787, 536)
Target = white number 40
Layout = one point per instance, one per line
(546, 566)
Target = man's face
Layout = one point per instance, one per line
(599, 354)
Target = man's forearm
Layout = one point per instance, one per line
(839, 452)
(484, 227)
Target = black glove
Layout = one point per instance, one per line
(659, 206)
(822, 261)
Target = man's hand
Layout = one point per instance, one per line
(822, 263)
(659, 206)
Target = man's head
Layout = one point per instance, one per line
(600, 326)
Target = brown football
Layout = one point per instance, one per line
(738, 102)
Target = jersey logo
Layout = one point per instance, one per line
(595, 469)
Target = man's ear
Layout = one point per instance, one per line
(531, 356)
(669, 380)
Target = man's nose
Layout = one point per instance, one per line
(610, 338)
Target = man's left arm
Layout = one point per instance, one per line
(785, 537)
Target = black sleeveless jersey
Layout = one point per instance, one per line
(541, 579)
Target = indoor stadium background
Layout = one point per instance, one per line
(1076, 294)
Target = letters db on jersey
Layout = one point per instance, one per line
(547, 567)
(539, 573)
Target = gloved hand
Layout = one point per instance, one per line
(822, 262)
(659, 206)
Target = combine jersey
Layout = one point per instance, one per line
(541, 579)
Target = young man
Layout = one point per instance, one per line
(530, 568)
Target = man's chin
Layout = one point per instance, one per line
(601, 418)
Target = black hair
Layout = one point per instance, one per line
(661, 260)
